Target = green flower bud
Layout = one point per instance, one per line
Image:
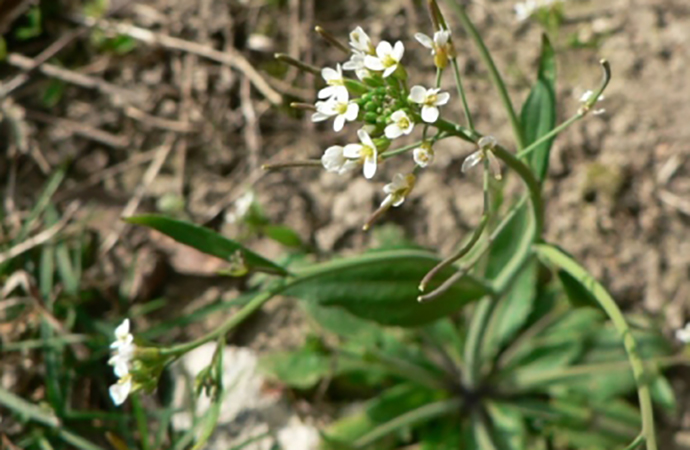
(371, 107)
(371, 117)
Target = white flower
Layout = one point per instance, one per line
(123, 352)
(123, 338)
(333, 160)
(387, 58)
(360, 41)
(365, 151)
(524, 10)
(439, 46)
(430, 99)
(356, 63)
(683, 334)
(335, 81)
(397, 190)
(585, 99)
(402, 124)
(423, 155)
(120, 390)
(340, 107)
(241, 207)
(486, 144)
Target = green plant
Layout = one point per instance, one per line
(490, 344)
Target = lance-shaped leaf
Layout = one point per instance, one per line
(207, 241)
(538, 115)
(383, 287)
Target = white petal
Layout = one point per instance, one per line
(389, 71)
(429, 114)
(319, 117)
(339, 122)
(373, 63)
(398, 51)
(441, 37)
(352, 151)
(383, 49)
(399, 181)
(120, 391)
(365, 138)
(387, 201)
(333, 158)
(424, 40)
(352, 111)
(487, 142)
(397, 115)
(442, 98)
(399, 201)
(122, 330)
(393, 131)
(417, 94)
(586, 96)
(330, 74)
(327, 92)
(370, 167)
(348, 166)
(472, 160)
(409, 128)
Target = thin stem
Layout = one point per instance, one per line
(250, 308)
(422, 414)
(556, 131)
(328, 37)
(565, 262)
(457, 130)
(532, 185)
(481, 251)
(475, 336)
(462, 251)
(636, 443)
(461, 93)
(292, 164)
(493, 71)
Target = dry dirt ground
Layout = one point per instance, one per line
(172, 122)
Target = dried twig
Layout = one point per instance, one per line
(80, 129)
(130, 208)
(159, 122)
(675, 201)
(42, 237)
(72, 77)
(229, 57)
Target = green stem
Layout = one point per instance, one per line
(422, 414)
(493, 71)
(461, 93)
(532, 185)
(254, 305)
(565, 262)
(555, 132)
(636, 443)
(475, 336)
(457, 130)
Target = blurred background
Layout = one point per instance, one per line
(111, 108)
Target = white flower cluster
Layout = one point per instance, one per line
(524, 10)
(123, 349)
(386, 107)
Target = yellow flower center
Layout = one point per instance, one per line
(388, 61)
(367, 152)
(430, 100)
(341, 108)
(403, 123)
(336, 82)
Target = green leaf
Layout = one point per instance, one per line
(392, 403)
(663, 395)
(283, 235)
(538, 115)
(512, 311)
(382, 287)
(206, 241)
(577, 295)
(301, 369)
(508, 426)
(342, 323)
(27, 410)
